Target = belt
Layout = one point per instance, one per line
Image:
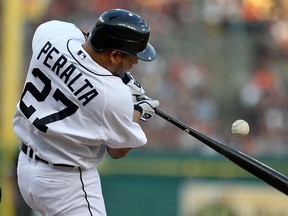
(24, 148)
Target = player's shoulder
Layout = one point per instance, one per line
(118, 95)
(117, 91)
(57, 27)
(56, 30)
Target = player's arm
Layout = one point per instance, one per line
(143, 110)
(119, 153)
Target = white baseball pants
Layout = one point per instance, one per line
(60, 190)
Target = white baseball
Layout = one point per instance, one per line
(240, 128)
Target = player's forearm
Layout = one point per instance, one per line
(117, 153)
(136, 116)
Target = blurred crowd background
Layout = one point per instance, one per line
(218, 61)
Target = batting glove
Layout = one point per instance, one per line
(146, 107)
(135, 87)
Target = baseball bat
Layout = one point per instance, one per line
(253, 166)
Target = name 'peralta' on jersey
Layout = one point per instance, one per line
(64, 111)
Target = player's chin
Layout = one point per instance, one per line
(121, 75)
(119, 72)
(120, 69)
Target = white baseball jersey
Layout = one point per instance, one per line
(71, 107)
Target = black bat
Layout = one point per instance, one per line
(253, 166)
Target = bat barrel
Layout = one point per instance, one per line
(253, 166)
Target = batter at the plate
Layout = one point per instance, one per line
(78, 102)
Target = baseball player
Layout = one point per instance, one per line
(76, 105)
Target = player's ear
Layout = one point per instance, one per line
(115, 56)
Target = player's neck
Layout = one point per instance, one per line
(98, 57)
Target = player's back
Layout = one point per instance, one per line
(64, 105)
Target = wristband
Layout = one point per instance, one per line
(138, 108)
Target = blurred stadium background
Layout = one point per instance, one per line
(218, 61)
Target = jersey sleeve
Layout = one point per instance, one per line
(119, 130)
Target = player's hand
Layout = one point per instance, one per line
(146, 106)
(135, 87)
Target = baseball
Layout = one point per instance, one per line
(240, 128)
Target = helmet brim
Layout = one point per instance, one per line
(149, 54)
